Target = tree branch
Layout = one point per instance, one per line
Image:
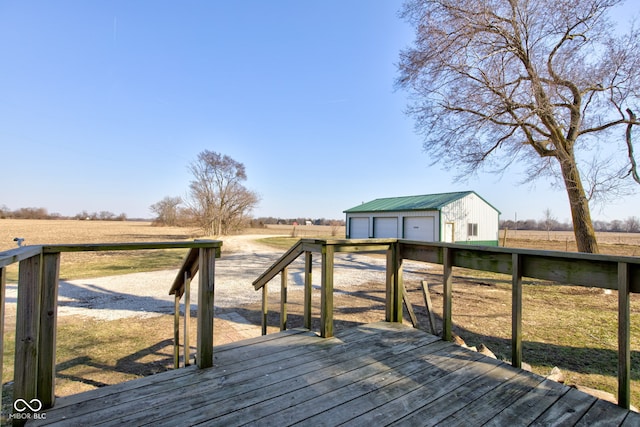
(634, 167)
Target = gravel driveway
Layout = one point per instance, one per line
(243, 260)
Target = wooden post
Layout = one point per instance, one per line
(516, 311)
(176, 331)
(206, 285)
(624, 336)
(326, 292)
(394, 285)
(308, 288)
(283, 298)
(3, 289)
(265, 309)
(187, 319)
(48, 327)
(412, 314)
(447, 264)
(27, 329)
(429, 305)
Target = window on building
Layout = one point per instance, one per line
(472, 229)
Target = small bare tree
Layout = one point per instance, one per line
(542, 83)
(167, 211)
(217, 199)
(549, 221)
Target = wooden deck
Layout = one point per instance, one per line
(375, 374)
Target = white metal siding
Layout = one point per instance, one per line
(471, 209)
(385, 227)
(420, 228)
(358, 228)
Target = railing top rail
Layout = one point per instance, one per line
(525, 251)
(350, 242)
(96, 247)
(577, 268)
(18, 254)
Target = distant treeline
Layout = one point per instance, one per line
(629, 225)
(263, 221)
(42, 213)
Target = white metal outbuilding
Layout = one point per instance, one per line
(460, 217)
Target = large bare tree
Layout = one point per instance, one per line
(545, 84)
(217, 199)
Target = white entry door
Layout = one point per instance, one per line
(448, 232)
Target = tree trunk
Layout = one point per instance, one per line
(580, 213)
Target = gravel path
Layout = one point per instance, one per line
(243, 260)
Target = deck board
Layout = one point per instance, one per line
(376, 374)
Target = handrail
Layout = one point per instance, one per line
(284, 261)
(18, 254)
(621, 273)
(36, 312)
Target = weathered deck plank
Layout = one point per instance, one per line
(375, 374)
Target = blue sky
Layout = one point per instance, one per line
(104, 105)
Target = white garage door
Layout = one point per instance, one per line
(419, 228)
(385, 227)
(359, 228)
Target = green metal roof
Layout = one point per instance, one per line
(411, 203)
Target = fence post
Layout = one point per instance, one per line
(447, 264)
(48, 328)
(207, 260)
(308, 259)
(624, 337)
(516, 311)
(27, 329)
(326, 299)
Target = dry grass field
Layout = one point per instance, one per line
(571, 327)
(627, 244)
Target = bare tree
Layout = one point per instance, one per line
(549, 222)
(632, 224)
(539, 83)
(167, 210)
(217, 199)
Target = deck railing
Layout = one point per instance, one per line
(602, 271)
(37, 302)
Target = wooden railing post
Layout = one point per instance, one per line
(48, 326)
(187, 319)
(283, 298)
(447, 264)
(176, 330)
(393, 312)
(3, 289)
(624, 336)
(516, 311)
(308, 259)
(204, 353)
(265, 309)
(27, 329)
(326, 292)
